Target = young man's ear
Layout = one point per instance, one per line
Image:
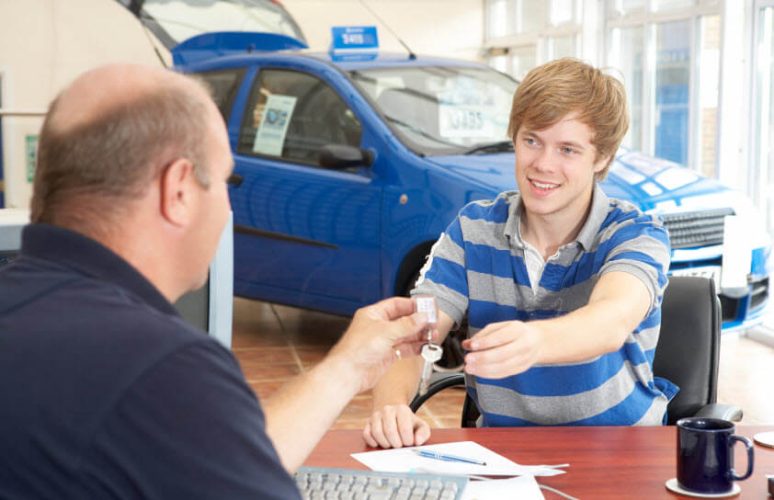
(601, 163)
(176, 196)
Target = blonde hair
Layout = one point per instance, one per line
(552, 90)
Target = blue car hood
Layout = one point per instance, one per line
(653, 184)
(493, 173)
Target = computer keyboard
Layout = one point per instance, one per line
(325, 482)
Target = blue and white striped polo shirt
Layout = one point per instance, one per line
(478, 267)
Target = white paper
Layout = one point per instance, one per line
(277, 112)
(521, 488)
(405, 460)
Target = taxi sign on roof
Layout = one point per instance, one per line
(354, 38)
(354, 43)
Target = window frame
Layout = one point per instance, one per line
(649, 19)
(239, 73)
(539, 41)
(759, 180)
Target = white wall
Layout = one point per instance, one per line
(451, 28)
(44, 44)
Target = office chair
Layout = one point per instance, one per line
(687, 354)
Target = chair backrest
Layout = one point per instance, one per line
(688, 348)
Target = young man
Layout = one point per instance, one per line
(106, 392)
(561, 285)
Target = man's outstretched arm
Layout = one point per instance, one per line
(618, 303)
(300, 413)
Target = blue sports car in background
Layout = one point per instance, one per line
(349, 168)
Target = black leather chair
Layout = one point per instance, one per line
(687, 353)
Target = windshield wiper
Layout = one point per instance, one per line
(494, 147)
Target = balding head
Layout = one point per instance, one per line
(109, 134)
(96, 93)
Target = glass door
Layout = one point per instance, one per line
(762, 164)
(763, 127)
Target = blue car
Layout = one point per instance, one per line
(347, 170)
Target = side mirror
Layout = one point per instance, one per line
(342, 156)
(235, 180)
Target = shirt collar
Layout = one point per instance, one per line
(90, 258)
(587, 234)
(600, 204)
(512, 228)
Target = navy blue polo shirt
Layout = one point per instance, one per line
(105, 392)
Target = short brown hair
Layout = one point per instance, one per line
(551, 91)
(85, 171)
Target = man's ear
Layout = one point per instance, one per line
(176, 196)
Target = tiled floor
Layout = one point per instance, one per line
(275, 342)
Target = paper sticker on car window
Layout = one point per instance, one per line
(270, 136)
(464, 121)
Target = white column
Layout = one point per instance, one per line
(735, 94)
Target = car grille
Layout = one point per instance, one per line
(734, 309)
(759, 294)
(696, 229)
(729, 307)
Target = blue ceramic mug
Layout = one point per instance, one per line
(705, 455)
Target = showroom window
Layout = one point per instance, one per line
(520, 34)
(522, 59)
(292, 115)
(661, 50)
(763, 126)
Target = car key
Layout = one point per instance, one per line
(431, 353)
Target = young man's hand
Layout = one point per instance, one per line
(503, 349)
(379, 331)
(395, 426)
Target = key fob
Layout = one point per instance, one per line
(426, 304)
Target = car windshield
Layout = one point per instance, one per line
(442, 109)
(174, 21)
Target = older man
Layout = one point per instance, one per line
(106, 392)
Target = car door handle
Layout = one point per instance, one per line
(235, 180)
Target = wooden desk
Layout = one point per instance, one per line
(605, 462)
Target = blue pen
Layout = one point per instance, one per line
(447, 458)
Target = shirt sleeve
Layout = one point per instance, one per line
(640, 247)
(189, 427)
(443, 275)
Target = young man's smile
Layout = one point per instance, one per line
(555, 169)
(542, 188)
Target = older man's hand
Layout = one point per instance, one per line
(378, 335)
